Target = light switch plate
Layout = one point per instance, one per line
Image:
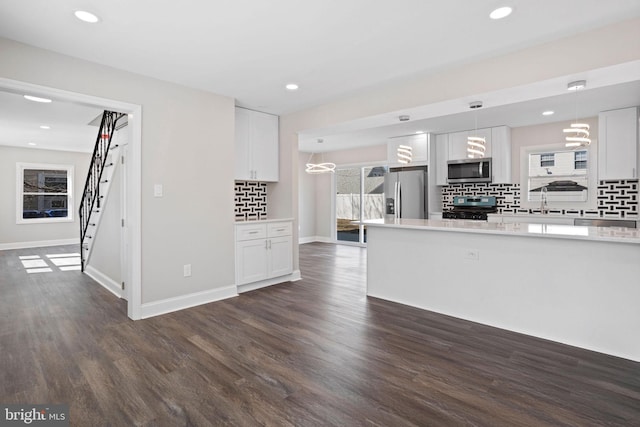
(157, 190)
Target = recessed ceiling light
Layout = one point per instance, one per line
(501, 12)
(85, 16)
(36, 99)
(292, 86)
(32, 143)
(577, 85)
(548, 113)
(45, 127)
(419, 132)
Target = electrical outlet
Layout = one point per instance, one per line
(187, 270)
(472, 254)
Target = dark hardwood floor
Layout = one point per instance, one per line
(316, 352)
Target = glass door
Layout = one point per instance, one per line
(359, 195)
(372, 196)
(348, 204)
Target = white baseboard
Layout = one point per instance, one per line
(293, 277)
(321, 239)
(38, 244)
(104, 281)
(169, 305)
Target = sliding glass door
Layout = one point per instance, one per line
(359, 195)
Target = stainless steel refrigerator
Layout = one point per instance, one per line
(405, 192)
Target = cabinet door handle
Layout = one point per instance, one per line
(279, 229)
(266, 244)
(269, 244)
(253, 232)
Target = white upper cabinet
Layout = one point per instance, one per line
(453, 146)
(442, 156)
(419, 147)
(458, 146)
(256, 144)
(458, 143)
(501, 155)
(618, 144)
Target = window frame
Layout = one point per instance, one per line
(20, 168)
(547, 160)
(579, 160)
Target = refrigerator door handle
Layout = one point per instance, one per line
(395, 199)
(399, 209)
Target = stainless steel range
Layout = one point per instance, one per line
(474, 208)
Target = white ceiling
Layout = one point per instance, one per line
(20, 122)
(249, 49)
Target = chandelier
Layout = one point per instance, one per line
(577, 134)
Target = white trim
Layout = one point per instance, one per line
(181, 302)
(293, 277)
(103, 280)
(134, 168)
(39, 244)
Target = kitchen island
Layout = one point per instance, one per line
(571, 284)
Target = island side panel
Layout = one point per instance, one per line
(577, 292)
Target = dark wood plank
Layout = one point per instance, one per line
(316, 352)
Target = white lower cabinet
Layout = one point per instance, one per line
(264, 251)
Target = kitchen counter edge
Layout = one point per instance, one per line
(573, 232)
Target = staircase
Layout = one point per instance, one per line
(103, 163)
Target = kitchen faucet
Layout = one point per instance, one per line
(544, 208)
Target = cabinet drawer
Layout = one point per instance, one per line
(250, 232)
(276, 229)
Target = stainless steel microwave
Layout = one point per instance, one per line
(469, 170)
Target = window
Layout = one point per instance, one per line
(359, 194)
(44, 193)
(580, 160)
(547, 160)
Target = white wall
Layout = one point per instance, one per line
(187, 144)
(20, 235)
(307, 200)
(105, 252)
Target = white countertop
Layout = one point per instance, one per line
(603, 234)
(263, 221)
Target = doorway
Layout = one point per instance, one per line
(131, 242)
(358, 196)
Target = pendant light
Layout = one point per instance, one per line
(476, 145)
(577, 135)
(405, 154)
(322, 167)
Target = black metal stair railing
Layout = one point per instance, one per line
(90, 202)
